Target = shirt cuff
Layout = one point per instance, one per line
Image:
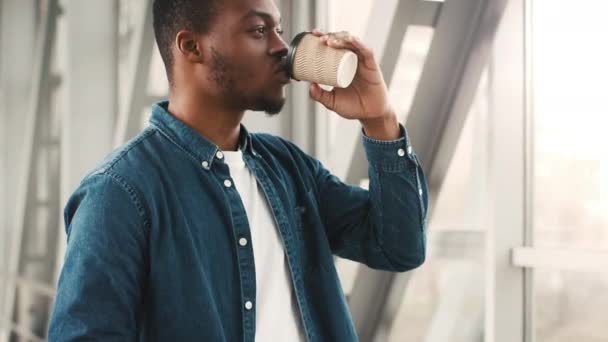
(390, 155)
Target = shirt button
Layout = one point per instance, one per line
(219, 155)
(205, 165)
(401, 152)
(248, 305)
(409, 150)
(420, 191)
(227, 183)
(243, 242)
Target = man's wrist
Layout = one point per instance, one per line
(382, 128)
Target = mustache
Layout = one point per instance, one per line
(281, 65)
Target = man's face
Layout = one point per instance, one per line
(248, 55)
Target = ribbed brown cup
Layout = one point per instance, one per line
(310, 60)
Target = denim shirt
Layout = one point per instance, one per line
(153, 252)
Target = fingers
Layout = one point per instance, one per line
(317, 32)
(326, 98)
(344, 40)
(354, 43)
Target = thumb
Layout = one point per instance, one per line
(326, 98)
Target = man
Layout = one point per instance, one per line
(197, 230)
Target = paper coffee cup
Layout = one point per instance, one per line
(310, 60)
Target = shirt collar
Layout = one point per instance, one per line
(187, 138)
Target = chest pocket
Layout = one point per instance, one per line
(307, 212)
(310, 232)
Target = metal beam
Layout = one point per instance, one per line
(24, 334)
(16, 62)
(36, 287)
(91, 87)
(508, 288)
(572, 259)
(91, 92)
(301, 109)
(459, 51)
(40, 82)
(427, 13)
(3, 177)
(297, 119)
(140, 56)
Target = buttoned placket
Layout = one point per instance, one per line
(276, 209)
(413, 158)
(410, 154)
(242, 235)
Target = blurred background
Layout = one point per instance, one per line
(505, 103)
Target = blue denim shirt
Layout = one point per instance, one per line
(153, 252)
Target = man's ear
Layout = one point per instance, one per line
(188, 45)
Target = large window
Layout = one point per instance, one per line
(570, 158)
(570, 163)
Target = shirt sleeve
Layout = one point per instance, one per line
(383, 227)
(100, 286)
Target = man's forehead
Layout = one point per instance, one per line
(246, 9)
(264, 15)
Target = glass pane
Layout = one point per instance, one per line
(460, 205)
(571, 306)
(356, 20)
(414, 50)
(444, 299)
(570, 160)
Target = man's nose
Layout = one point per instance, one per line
(279, 46)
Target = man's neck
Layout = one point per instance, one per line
(216, 124)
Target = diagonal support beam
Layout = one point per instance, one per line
(450, 80)
(385, 37)
(406, 14)
(377, 37)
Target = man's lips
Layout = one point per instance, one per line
(282, 76)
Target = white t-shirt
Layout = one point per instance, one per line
(277, 313)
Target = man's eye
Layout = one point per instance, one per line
(262, 30)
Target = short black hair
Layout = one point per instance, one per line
(171, 16)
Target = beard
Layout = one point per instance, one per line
(224, 76)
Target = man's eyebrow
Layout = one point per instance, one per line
(263, 15)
